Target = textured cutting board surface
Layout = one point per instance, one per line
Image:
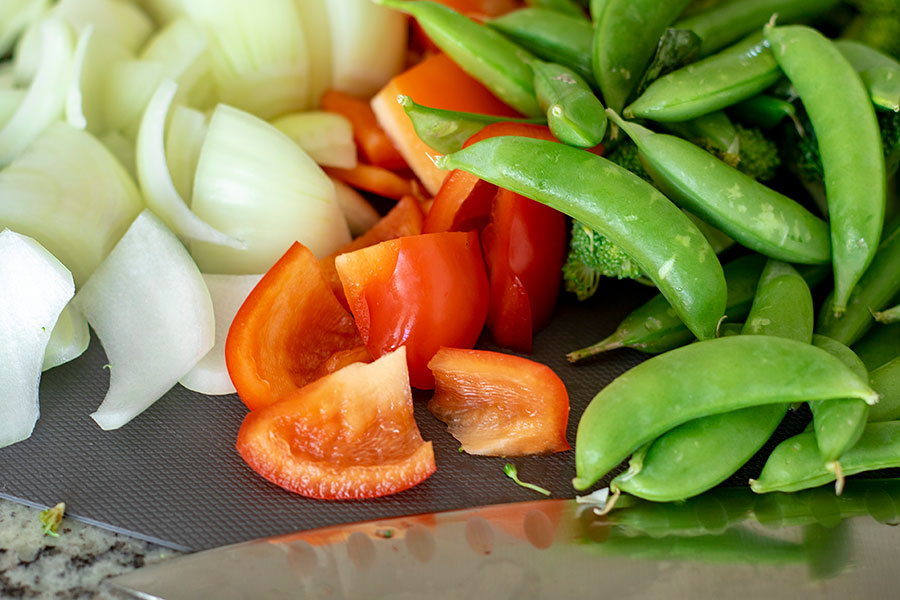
(172, 475)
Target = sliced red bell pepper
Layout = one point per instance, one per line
(349, 435)
(290, 324)
(499, 404)
(376, 180)
(422, 292)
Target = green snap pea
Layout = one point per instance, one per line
(715, 128)
(702, 453)
(795, 464)
(483, 53)
(839, 423)
(753, 214)
(876, 288)
(879, 72)
(879, 346)
(574, 114)
(729, 21)
(886, 381)
(734, 74)
(698, 380)
(616, 203)
(447, 130)
(566, 7)
(552, 36)
(625, 39)
(830, 90)
(764, 111)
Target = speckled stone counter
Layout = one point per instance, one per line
(73, 565)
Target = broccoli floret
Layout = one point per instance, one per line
(757, 155)
(626, 156)
(592, 256)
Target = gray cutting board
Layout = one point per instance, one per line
(172, 475)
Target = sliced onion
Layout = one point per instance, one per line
(95, 53)
(314, 16)
(122, 149)
(15, 16)
(127, 91)
(163, 11)
(327, 137)
(228, 292)
(149, 306)
(184, 139)
(254, 183)
(127, 23)
(156, 183)
(258, 53)
(361, 216)
(69, 193)
(36, 287)
(182, 49)
(68, 340)
(10, 100)
(368, 44)
(46, 96)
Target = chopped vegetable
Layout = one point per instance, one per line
(361, 216)
(68, 340)
(591, 257)
(499, 404)
(327, 137)
(370, 137)
(512, 472)
(51, 519)
(349, 435)
(376, 180)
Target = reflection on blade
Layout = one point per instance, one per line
(726, 543)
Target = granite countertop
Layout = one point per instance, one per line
(73, 565)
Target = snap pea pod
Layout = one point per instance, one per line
(886, 381)
(734, 74)
(753, 214)
(616, 203)
(566, 7)
(839, 423)
(654, 327)
(889, 315)
(764, 111)
(716, 128)
(483, 53)
(447, 130)
(698, 380)
(702, 453)
(552, 36)
(875, 289)
(574, 114)
(727, 22)
(879, 72)
(879, 346)
(625, 39)
(795, 464)
(830, 89)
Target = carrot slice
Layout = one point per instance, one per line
(370, 138)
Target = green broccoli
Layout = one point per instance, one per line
(592, 256)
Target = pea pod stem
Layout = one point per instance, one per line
(698, 380)
(830, 89)
(616, 203)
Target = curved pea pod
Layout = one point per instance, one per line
(574, 114)
(728, 22)
(654, 327)
(448, 130)
(839, 423)
(734, 74)
(702, 453)
(625, 39)
(886, 381)
(879, 346)
(879, 72)
(851, 149)
(616, 203)
(878, 285)
(552, 36)
(764, 111)
(795, 464)
(753, 214)
(483, 53)
(566, 7)
(698, 380)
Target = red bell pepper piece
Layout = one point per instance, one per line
(499, 404)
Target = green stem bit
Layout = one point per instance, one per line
(510, 470)
(51, 518)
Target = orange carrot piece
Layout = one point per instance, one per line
(439, 83)
(371, 140)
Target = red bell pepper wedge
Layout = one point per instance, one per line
(376, 180)
(422, 292)
(289, 325)
(499, 404)
(349, 435)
